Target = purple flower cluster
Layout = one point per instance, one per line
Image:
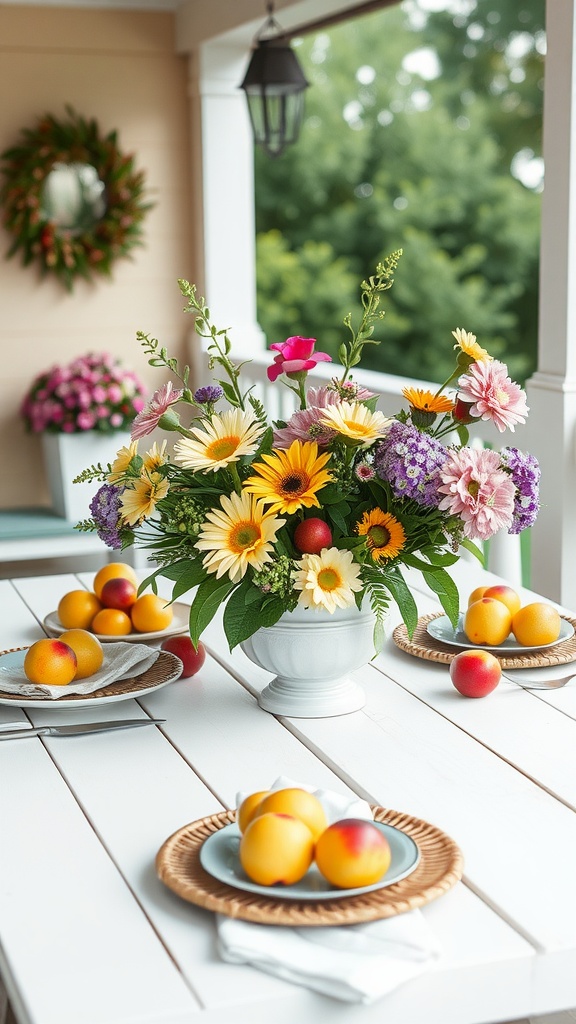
(525, 472)
(93, 392)
(105, 509)
(208, 395)
(410, 461)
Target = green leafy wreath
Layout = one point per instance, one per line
(26, 167)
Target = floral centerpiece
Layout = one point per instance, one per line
(328, 509)
(93, 392)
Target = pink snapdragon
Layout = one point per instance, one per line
(478, 490)
(147, 420)
(492, 395)
(295, 355)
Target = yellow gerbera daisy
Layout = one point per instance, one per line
(223, 439)
(154, 458)
(327, 580)
(384, 534)
(139, 500)
(354, 420)
(122, 462)
(289, 479)
(238, 535)
(427, 401)
(467, 342)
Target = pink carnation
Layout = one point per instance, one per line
(147, 420)
(477, 490)
(493, 396)
(295, 355)
(305, 424)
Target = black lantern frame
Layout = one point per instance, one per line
(274, 84)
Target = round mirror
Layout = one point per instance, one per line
(73, 197)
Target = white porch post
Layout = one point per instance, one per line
(223, 196)
(550, 430)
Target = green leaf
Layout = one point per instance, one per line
(473, 549)
(337, 514)
(209, 596)
(443, 585)
(242, 617)
(401, 593)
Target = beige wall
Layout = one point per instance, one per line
(122, 69)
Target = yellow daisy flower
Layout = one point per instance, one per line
(154, 458)
(355, 421)
(384, 534)
(239, 534)
(289, 479)
(327, 580)
(223, 439)
(427, 401)
(122, 462)
(467, 342)
(139, 501)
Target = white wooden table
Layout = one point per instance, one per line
(88, 935)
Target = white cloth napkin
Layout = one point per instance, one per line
(121, 661)
(355, 963)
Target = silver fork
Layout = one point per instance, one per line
(544, 684)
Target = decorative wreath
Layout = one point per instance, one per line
(92, 249)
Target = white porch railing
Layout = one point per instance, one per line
(503, 554)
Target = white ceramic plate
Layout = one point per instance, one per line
(179, 624)
(442, 629)
(147, 682)
(219, 857)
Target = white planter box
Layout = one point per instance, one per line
(66, 456)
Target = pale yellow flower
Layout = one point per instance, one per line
(239, 534)
(327, 580)
(223, 439)
(355, 421)
(288, 480)
(122, 462)
(467, 342)
(139, 500)
(154, 458)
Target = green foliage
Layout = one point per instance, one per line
(388, 158)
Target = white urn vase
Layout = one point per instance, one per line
(66, 456)
(312, 654)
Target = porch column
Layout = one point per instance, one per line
(551, 427)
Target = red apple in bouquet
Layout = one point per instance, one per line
(184, 649)
(475, 673)
(312, 535)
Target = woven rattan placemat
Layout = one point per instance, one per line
(440, 867)
(163, 668)
(422, 645)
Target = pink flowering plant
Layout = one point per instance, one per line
(93, 392)
(329, 508)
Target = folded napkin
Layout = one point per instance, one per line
(355, 962)
(121, 661)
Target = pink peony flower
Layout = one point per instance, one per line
(493, 396)
(295, 355)
(305, 424)
(147, 420)
(477, 490)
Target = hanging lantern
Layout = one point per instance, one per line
(274, 85)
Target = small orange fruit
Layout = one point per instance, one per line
(77, 609)
(476, 595)
(536, 624)
(353, 852)
(248, 808)
(111, 622)
(112, 571)
(487, 622)
(505, 594)
(50, 662)
(151, 614)
(88, 650)
(276, 849)
(299, 804)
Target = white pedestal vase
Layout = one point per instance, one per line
(66, 456)
(312, 654)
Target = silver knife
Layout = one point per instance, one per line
(78, 730)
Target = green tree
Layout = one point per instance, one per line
(395, 153)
